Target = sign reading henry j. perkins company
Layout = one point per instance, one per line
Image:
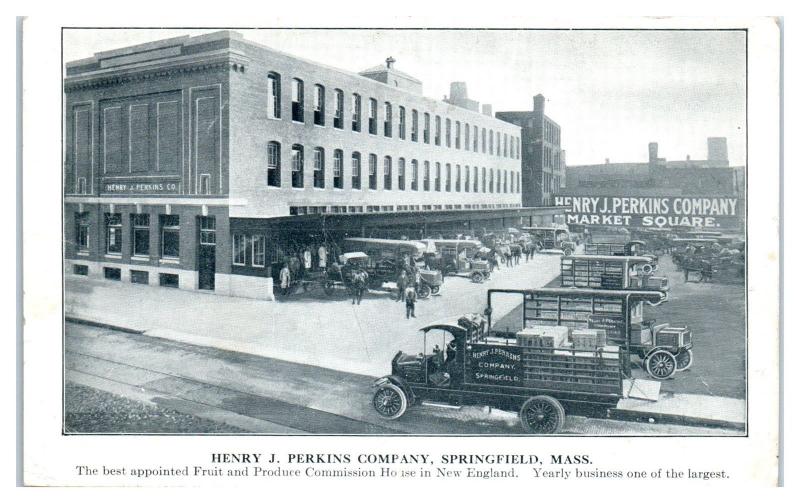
(710, 212)
(154, 186)
(494, 365)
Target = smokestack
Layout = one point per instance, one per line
(538, 103)
(458, 91)
(652, 148)
(486, 108)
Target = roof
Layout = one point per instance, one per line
(451, 327)
(389, 242)
(350, 255)
(653, 297)
(383, 69)
(612, 258)
(473, 242)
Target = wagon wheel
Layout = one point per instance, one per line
(476, 277)
(434, 290)
(423, 291)
(684, 360)
(660, 364)
(542, 415)
(329, 287)
(390, 401)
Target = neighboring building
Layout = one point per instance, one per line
(542, 175)
(203, 162)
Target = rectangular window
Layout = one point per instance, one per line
(356, 112)
(319, 168)
(319, 105)
(466, 136)
(356, 164)
(82, 231)
(338, 109)
(466, 178)
(414, 175)
(491, 180)
(499, 153)
(387, 173)
(80, 269)
(447, 132)
(239, 249)
(373, 171)
(141, 235)
(483, 178)
(113, 233)
(170, 236)
(81, 189)
(274, 164)
(401, 174)
(475, 179)
(426, 132)
(475, 139)
(483, 140)
(338, 168)
(297, 166)
(208, 230)
(298, 101)
(112, 273)
(373, 116)
(205, 184)
(491, 142)
(168, 280)
(437, 134)
(448, 177)
(259, 251)
(458, 178)
(438, 181)
(458, 134)
(401, 128)
(505, 145)
(140, 277)
(274, 96)
(387, 119)
(414, 125)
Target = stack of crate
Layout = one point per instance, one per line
(588, 338)
(543, 336)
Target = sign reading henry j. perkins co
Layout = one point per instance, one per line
(147, 186)
(652, 211)
(489, 364)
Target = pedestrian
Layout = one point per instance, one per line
(411, 300)
(359, 285)
(307, 259)
(402, 278)
(322, 253)
(285, 278)
(686, 274)
(492, 260)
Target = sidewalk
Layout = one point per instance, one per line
(325, 332)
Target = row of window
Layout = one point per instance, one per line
(140, 229)
(316, 210)
(475, 180)
(500, 144)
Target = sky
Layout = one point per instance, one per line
(612, 92)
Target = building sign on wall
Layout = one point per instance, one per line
(488, 364)
(141, 186)
(652, 211)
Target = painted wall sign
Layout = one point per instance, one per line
(134, 186)
(613, 324)
(489, 364)
(710, 212)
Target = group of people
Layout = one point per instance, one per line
(511, 253)
(299, 262)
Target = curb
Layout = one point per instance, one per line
(657, 417)
(99, 324)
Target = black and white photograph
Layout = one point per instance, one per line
(405, 232)
(402, 252)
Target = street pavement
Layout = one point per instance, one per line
(309, 328)
(268, 396)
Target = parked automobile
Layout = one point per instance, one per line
(459, 257)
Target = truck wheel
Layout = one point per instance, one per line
(329, 287)
(660, 364)
(684, 359)
(390, 401)
(423, 291)
(476, 277)
(434, 290)
(542, 415)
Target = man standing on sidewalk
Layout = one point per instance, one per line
(411, 300)
(285, 278)
(402, 279)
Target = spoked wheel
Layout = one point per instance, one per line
(684, 359)
(434, 290)
(329, 287)
(423, 291)
(660, 364)
(390, 401)
(476, 277)
(542, 415)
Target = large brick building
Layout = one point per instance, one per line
(199, 162)
(542, 157)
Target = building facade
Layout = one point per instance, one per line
(542, 156)
(199, 162)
